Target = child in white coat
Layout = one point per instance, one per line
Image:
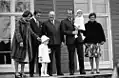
(43, 55)
(79, 22)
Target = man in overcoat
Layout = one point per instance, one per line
(36, 27)
(68, 29)
(51, 28)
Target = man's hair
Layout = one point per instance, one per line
(69, 10)
(52, 12)
(37, 11)
(27, 13)
(92, 14)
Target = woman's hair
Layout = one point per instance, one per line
(92, 14)
(27, 13)
(37, 11)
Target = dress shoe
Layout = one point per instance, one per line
(17, 75)
(42, 75)
(46, 75)
(71, 73)
(50, 74)
(31, 75)
(60, 74)
(92, 72)
(97, 72)
(83, 72)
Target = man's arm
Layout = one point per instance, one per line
(64, 29)
(67, 32)
(44, 29)
(32, 32)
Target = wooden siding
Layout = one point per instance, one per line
(114, 5)
(62, 6)
(45, 6)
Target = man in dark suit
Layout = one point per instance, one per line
(36, 27)
(51, 28)
(68, 29)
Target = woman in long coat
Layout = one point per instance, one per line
(21, 44)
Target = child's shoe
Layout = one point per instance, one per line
(42, 75)
(46, 75)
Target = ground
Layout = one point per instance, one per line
(66, 75)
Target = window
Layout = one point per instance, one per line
(9, 9)
(101, 8)
(4, 5)
(22, 5)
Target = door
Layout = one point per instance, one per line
(101, 8)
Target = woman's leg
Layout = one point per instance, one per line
(91, 63)
(16, 67)
(22, 70)
(97, 64)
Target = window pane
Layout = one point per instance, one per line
(5, 58)
(5, 33)
(22, 5)
(81, 4)
(99, 6)
(4, 5)
(105, 52)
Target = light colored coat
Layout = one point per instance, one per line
(43, 53)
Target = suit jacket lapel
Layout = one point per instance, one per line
(71, 22)
(36, 23)
(52, 25)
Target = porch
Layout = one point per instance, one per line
(103, 74)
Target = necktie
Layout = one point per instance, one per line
(52, 22)
(37, 22)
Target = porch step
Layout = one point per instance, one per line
(102, 75)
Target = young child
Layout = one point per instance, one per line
(79, 22)
(43, 55)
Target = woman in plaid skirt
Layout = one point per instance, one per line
(94, 38)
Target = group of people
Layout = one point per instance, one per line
(36, 41)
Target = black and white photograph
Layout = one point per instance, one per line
(59, 38)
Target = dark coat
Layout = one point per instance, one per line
(94, 33)
(21, 34)
(67, 29)
(36, 31)
(53, 31)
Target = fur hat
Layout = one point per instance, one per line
(44, 38)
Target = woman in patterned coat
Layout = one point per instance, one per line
(21, 44)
